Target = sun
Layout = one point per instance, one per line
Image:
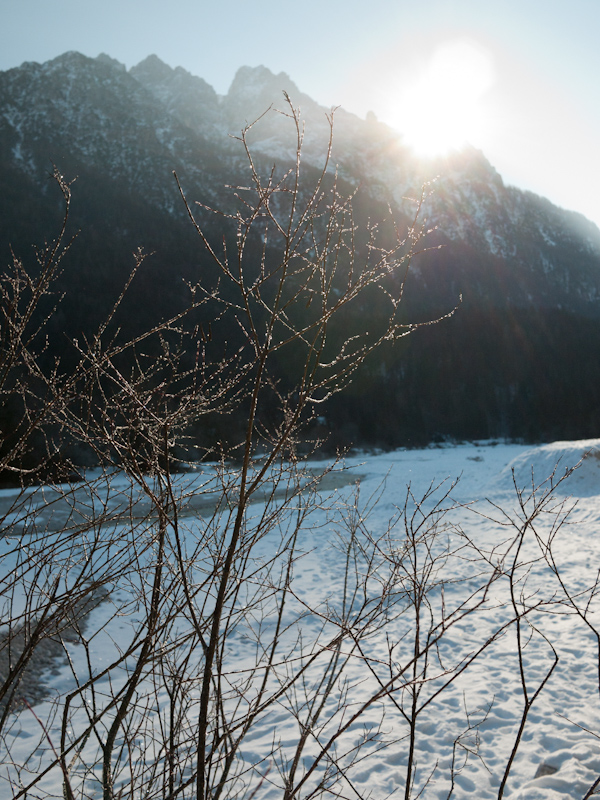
(441, 108)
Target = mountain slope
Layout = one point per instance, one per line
(518, 357)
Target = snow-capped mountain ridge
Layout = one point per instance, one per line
(527, 270)
(137, 126)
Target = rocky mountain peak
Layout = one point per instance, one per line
(152, 70)
(190, 99)
(258, 80)
(103, 58)
(254, 89)
(469, 160)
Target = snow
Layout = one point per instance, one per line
(476, 715)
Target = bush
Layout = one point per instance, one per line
(199, 567)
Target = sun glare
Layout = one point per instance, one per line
(441, 109)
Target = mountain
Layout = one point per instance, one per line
(520, 357)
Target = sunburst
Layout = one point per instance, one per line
(442, 110)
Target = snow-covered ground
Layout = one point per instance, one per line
(471, 712)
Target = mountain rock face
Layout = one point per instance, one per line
(519, 358)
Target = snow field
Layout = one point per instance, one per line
(469, 719)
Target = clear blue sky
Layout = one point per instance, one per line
(538, 112)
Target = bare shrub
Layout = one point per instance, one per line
(220, 644)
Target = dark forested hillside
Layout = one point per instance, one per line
(520, 356)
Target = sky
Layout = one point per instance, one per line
(519, 79)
